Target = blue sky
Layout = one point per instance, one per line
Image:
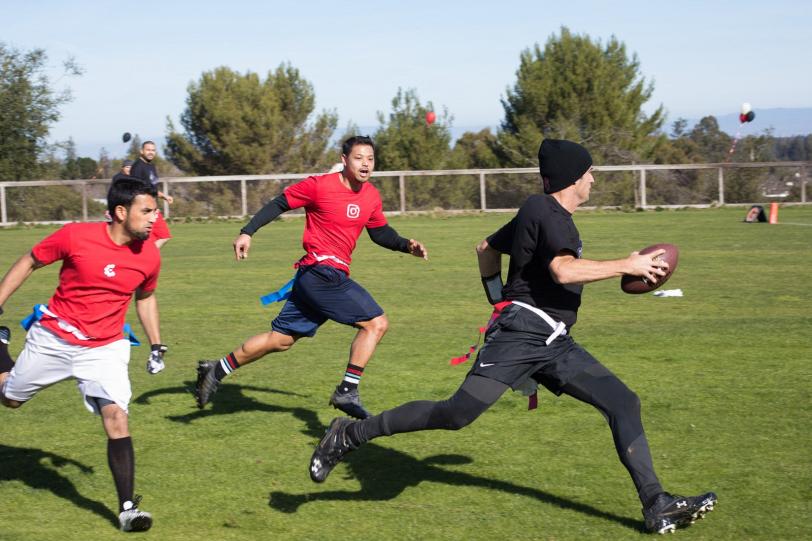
(703, 57)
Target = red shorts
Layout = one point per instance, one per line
(159, 229)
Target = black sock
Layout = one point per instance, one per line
(352, 377)
(225, 366)
(121, 459)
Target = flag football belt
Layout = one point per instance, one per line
(559, 329)
(41, 310)
(284, 292)
(321, 258)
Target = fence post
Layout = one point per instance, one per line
(483, 204)
(166, 192)
(84, 201)
(643, 202)
(402, 190)
(721, 186)
(244, 198)
(803, 186)
(3, 217)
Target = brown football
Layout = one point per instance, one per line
(638, 284)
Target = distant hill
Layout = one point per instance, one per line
(784, 122)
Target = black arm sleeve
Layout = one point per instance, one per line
(267, 213)
(387, 237)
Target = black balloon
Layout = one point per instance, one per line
(750, 116)
(126, 137)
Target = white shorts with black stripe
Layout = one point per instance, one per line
(100, 372)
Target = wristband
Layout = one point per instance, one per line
(493, 287)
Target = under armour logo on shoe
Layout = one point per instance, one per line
(683, 503)
(316, 465)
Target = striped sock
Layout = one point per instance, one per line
(227, 365)
(352, 377)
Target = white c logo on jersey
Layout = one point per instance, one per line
(353, 211)
(110, 270)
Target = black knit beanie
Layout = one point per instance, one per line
(561, 163)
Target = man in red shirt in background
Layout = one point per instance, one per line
(338, 207)
(79, 334)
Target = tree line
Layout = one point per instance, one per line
(233, 123)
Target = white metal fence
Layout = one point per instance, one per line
(632, 186)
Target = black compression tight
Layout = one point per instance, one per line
(621, 407)
(475, 395)
(597, 387)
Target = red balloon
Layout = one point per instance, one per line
(430, 118)
(742, 118)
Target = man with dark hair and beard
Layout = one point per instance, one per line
(79, 333)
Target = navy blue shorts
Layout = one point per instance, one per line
(322, 292)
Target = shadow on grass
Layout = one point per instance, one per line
(229, 399)
(26, 465)
(385, 473)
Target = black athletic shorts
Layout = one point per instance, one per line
(515, 349)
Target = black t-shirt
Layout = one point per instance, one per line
(539, 232)
(145, 171)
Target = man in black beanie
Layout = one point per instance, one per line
(529, 340)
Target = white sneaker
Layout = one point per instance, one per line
(134, 520)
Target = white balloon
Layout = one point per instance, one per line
(746, 108)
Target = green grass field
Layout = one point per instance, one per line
(723, 374)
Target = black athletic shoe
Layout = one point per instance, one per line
(5, 335)
(331, 449)
(206, 382)
(669, 511)
(349, 403)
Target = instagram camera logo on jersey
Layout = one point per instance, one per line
(353, 211)
(110, 270)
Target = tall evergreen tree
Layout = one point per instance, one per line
(240, 123)
(406, 141)
(29, 105)
(583, 90)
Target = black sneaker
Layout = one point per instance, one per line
(331, 449)
(5, 335)
(206, 382)
(669, 511)
(349, 403)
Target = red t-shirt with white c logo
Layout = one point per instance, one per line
(335, 216)
(97, 280)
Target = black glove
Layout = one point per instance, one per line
(493, 287)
